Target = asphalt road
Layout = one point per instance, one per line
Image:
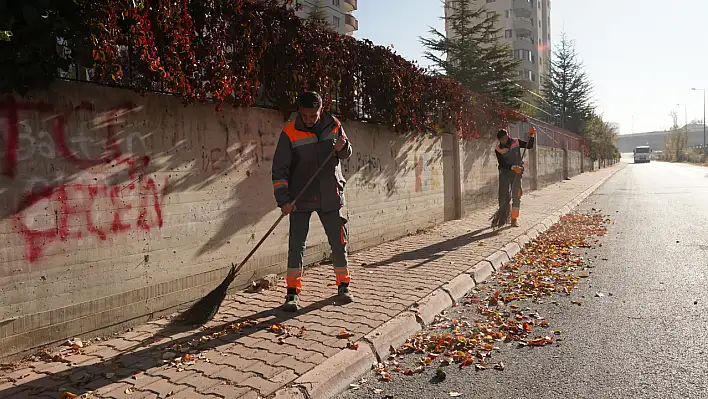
(647, 337)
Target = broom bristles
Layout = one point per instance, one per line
(206, 308)
(501, 216)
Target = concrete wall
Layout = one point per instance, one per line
(575, 163)
(550, 166)
(118, 207)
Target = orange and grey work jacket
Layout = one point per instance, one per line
(298, 155)
(510, 154)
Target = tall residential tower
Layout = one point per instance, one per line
(340, 13)
(526, 27)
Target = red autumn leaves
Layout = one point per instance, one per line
(545, 267)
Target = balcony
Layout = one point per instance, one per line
(350, 6)
(523, 26)
(523, 8)
(351, 24)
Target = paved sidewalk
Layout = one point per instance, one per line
(252, 350)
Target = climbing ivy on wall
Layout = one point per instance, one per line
(242, 52)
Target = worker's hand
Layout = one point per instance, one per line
(287, 209)
(532, 131)
(340, 144)
(516, 168)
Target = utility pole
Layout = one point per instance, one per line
(704, 118)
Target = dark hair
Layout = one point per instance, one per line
(309, 99)
(501, 133)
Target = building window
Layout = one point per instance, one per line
(336, 21)
(507, 13)
(539, 23)
(335, 3)
(508, 33)
(491, 1)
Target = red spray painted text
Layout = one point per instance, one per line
(79, 210)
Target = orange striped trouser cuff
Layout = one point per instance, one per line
(515, 212)
(342, 274)
(294, 279)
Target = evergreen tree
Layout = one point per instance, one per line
(473, 54)
(568, 89)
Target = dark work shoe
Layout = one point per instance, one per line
(344, 294)
(514, 223)
(292, 302)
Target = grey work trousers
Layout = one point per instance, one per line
(335, 227)
(508, 187)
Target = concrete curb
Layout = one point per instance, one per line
(336, 373)
(498, 259)
(481, 271)
(511, 249)
(392, 333)
(459, 286)
(431, 305)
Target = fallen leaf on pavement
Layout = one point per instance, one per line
(455, 394)
(67, 395)
(344, 334)
(499, 366)
(352, 345)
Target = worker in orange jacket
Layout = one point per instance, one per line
(304, 146)
(511, 169)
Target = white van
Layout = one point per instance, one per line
(642, 154)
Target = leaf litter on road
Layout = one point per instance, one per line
(550, 265)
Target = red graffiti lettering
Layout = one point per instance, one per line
(93, 191)
(38, 240)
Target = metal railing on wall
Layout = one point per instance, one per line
(548, 135)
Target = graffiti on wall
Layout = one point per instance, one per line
(66, 183)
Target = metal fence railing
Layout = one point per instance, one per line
(548, 135)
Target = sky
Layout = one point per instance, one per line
(642, 57)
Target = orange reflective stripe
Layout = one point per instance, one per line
(298, 137)
(280, 183)
(514, 144)
(294, 282)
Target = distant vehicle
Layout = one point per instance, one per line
(642, 154)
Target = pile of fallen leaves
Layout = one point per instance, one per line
(549, 265)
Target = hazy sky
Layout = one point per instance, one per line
(642, 57)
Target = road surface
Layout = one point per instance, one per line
(647, 337)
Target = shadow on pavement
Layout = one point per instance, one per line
(435, 251)
(91, 376)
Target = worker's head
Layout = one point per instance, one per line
(310, 107)
(503, 136)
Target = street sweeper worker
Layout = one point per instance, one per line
(511, 169)
(303, 147)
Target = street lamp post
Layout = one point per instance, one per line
(704, 118)
(685, 126)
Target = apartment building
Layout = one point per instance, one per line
(340, 13)
(526, 27)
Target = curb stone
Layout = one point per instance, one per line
(522, 240)
(459, 286)
(334, 375)
(511, 249)
(498, 259)
(432, 305)
(392, 333)
(481, 271)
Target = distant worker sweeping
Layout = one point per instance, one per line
(511, 169)
(306, 170)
